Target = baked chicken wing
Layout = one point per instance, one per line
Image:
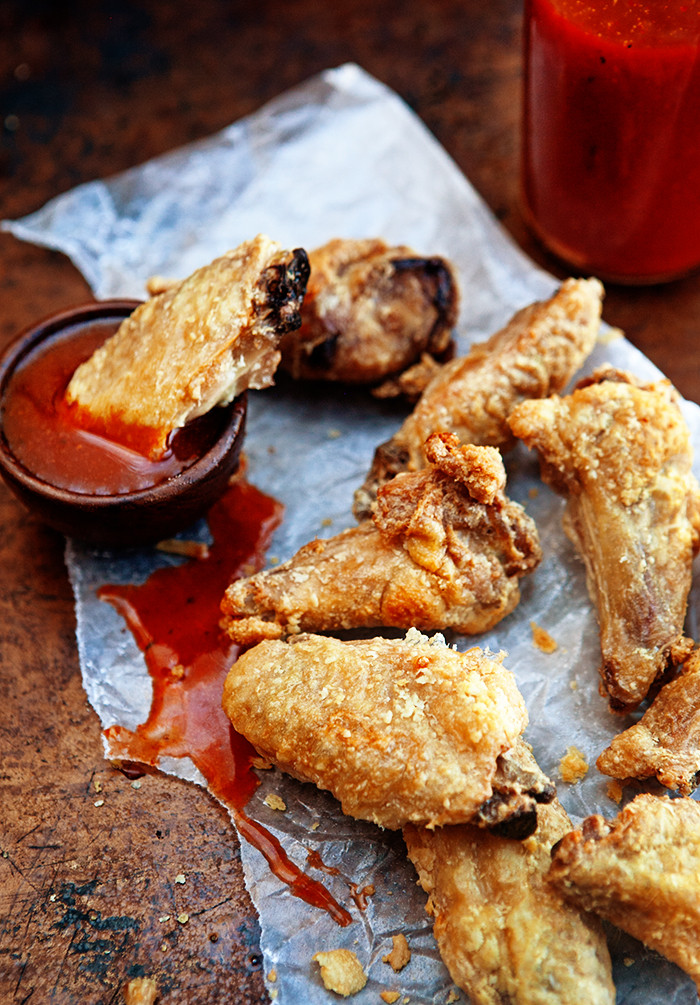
(198, 343)
(536, 354)
(642, 872)
(444, 548)
(370, 311)
(620, 452)
(398, 730)
(666, 741)
(505, 934)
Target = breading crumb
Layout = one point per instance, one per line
(141, 991)
(573, 766)
(180, 878)
(400, 953)
(390, 996)
(614, 791)
(341, 971)
(542, 639)
(274, 801)
(452, 997)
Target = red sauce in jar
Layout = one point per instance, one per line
(611, 134)
(44, 434)
(174, 618)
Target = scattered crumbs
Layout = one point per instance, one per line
(183, 918)
(274, 801)
(164, 917)
(273, 993)
(315, 825)
(542, 639)
(333, 434)
(573, 766)
(180, 878)
(190, 549)
(99, 802)
(136, 784)
(406, 1000)
(341, 971)
(390, 996)
(400, 953)
(614, 791)
(164, 947)
(53, 895)
(574, 685)
(452, 997)
(141, 991)
(274, 560)
(97, 784)
(628, 961)
(272, 976)
(533, 493)
(326, 522)
(261, 763)
(177, 671)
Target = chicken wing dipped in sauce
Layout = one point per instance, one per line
(506, 935)
(370, 311)
(398, 730)
(620, 452)
(196, 344)
(665, 743)
(641, 872)
(444, 549)
(536, 354)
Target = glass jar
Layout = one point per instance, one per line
(611, 134)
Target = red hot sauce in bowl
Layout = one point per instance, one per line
(611, 134)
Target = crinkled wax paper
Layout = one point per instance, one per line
(343, 156)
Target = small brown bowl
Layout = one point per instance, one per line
(132, 518)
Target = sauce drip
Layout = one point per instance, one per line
(611, 134)
(174, 618)
(45, 435)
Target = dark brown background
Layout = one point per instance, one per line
(86, 92)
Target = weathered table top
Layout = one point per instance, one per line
(86, 92)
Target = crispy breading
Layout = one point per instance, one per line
(534, 355)
(507, 936)
(619, 451)
(370, 310)
(445, 548)
(666, 740)
(398, 730)
(641, 871)
(197, 344)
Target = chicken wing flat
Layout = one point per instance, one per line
(642, 872)
(620, 452)
(197, 344)
(666, 741)
(445, 548)
(535, 355)
(370, 311)
(398, 730)
(505, 934)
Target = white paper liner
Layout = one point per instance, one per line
(343, 156)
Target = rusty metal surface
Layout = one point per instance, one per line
(89, 863)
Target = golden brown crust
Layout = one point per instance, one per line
(535, 355)
(445, 549)
(620, 452)
(397, 729)
(642, 872)
(370, 311)
(666, 741)
(198, 343)
(507, 936)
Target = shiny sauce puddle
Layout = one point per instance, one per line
(174, 618)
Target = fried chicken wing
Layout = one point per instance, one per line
(398, 730)
(445, 548)
(507, 936)
(620, 452)
(198, 343)
(370, 311)
(642, 872)
(536, 354)
(666, 741)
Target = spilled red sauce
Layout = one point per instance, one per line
(174, 618)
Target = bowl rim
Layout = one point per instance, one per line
(22, 345)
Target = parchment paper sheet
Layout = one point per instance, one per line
(343, 156)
